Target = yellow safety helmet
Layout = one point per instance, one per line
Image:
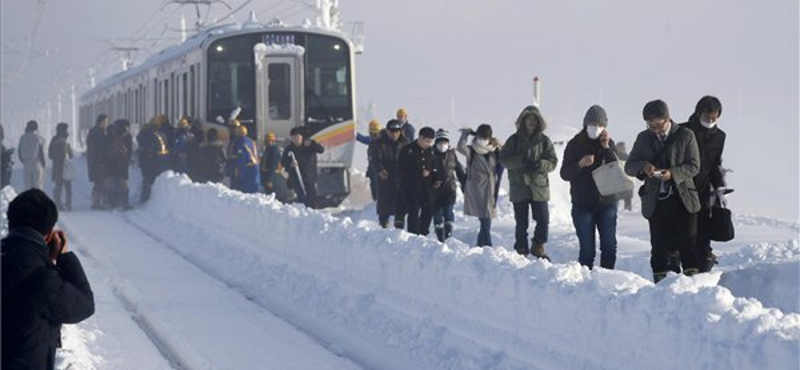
(374, 126)
(271, 136)
(402, 113)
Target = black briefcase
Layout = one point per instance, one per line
(721, 224)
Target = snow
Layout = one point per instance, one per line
(203, 277)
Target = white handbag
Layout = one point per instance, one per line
(69, 172)
(611, 179)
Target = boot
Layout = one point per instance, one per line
(439, 233)
(538, 251)
(674, 262)
(708, 263)
(448, 230)
(658, 276)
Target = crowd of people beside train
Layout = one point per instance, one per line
(415, 174)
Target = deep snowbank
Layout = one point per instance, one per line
(451, 307)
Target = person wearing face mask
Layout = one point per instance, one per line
(415, 165)
(666, 157)
(446, 171)
(588, 150)
(529, 156)
(483, 178)
(710, 181)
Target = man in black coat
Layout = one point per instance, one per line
(711, 178)
(96, 143)
(43, 284)
(415, 165)
(384, 152)
(301, 156)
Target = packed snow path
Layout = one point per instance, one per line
(199, 322)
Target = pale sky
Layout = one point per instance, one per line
(482, 55)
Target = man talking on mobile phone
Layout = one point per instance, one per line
(43, 284)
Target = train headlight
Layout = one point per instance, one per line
(220, 48)
(337, 47)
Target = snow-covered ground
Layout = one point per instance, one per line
(203, 277)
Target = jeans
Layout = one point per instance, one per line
(542, 217)
(443, 215)
(603, 218)
(484, 234)
(63, 185)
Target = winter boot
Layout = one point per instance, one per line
(658, 276)
(674, 262)
(521, 249)
(448, 230)
(708, 263)
(690, 272)
(399, 224)
(439, 232)
(538, 251)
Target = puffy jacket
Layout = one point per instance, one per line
(528, 182)
(37, 298)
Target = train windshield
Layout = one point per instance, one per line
(231, 76)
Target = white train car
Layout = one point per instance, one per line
(280, 77)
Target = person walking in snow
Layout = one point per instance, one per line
(60, 154)
(588, 150)
(408, 128)
(270, 162)
(43, 284)
(447, 173)
(529, 155)
(213, 158)
(118, 158)
(374, 133)
(96, 143)
(483, 178)
(710, 180)
(622, 155)
(153, 153)
(384, 153)
(31, 154)
(300, 160)
(415, 167)
(667, 158)
(244, 154)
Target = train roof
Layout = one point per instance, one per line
(198, 40)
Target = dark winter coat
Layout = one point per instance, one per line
(196, 164)
(37, 298)
(411, 162)
(154, 155)
(528, 159)
(306, 156)
(213, 159)
(180, 144)
(409, 131)
(582, 186)
(58, 152)
(384, 153)
(682, 159)
(96, 143)
(270, 162)
(711, 143)
(447, 171)
(119, 155)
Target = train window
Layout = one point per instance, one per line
(328, 92)
(192, 96)
(185, 93)
(231, 77)
(280, 101)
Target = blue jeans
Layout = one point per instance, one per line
(443, 215)
(602, 217)
(484, 234)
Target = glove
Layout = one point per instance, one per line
(530, 164)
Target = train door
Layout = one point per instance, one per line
(279, 89)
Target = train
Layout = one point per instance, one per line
(275, 77)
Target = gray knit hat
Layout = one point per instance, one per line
(442, 134)
(596, 114)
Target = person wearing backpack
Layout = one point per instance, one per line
(60, 154)
(31, 154)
